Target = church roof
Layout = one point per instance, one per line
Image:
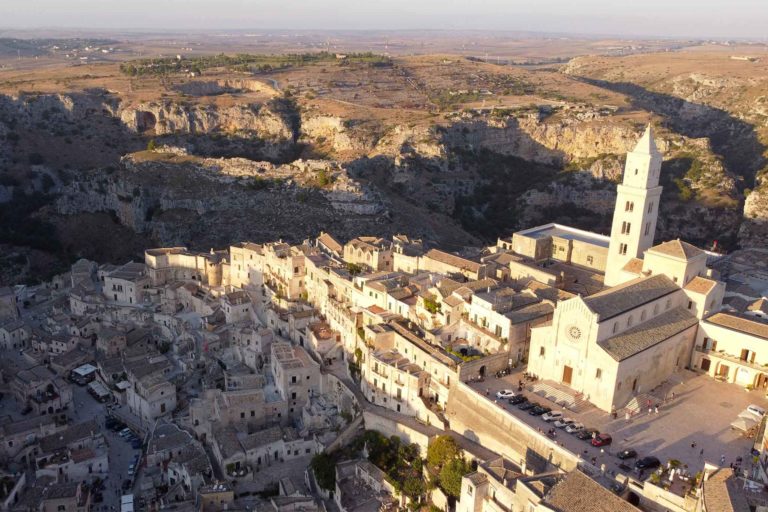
(700, 285)
(647, 144)
(635, 266)
(650, 333)
(630, 295)
(677, 249)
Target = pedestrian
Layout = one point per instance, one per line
(722, 460)
(626, 416)
(673, 395)
(487, 392)
(657, 409)
(701, 453)
(650, 410)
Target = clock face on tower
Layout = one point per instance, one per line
(574, 332)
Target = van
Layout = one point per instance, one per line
(756, 410)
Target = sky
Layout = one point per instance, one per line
(661, 18)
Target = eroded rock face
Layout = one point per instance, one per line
(165, 118)
(150, 196)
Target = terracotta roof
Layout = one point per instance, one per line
(453, 260)
(759, 305)
(740, 323)
(700, 285)
(723, 493)
(677, 249)
(635, 266)
(331, 243)
(630, 295)
(576, 492)
(650, 333)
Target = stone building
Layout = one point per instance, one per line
(127, 284)
(168, 264)
(372, 252)
(296, 375)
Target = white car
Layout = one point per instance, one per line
(564, 422)
(574, 427)
(505, 393)
(552, 416)
(756, 410)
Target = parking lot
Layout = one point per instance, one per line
(700, 413)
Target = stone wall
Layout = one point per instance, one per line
(390, 427)
(480, 420)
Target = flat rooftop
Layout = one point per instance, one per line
(566, 232)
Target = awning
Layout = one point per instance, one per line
(743, 424)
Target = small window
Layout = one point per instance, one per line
(690, 304)
(541, 351)
(598, 373)
(615, 327)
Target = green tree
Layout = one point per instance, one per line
(151, 145)
(440, 451)
(451, 474)
(325, 471)
(354, 268)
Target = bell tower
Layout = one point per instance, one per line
(637, 207)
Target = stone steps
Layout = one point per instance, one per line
(560, 397)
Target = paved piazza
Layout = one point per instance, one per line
(701, 412)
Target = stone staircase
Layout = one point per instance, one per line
(568, 400)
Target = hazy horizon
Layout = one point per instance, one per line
(738, 19)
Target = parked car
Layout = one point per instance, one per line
(647, 463)
(125, 432)
(505, 393)
(552, 416)
(574, 428)
(525, 406)
(564, 422)
(517, 400)
(587, 434)
(602, 440)
(539, 410)
(756, 410)
(629, 453)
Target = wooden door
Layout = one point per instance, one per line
(567, 375)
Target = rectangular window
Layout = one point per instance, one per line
(541, 351)
(650, 207)
(690, 304)
(598, 373)
(622, 249)
(647, 228)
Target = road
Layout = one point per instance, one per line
(121, 453)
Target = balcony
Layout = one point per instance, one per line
(717, 354)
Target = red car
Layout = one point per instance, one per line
(602, 440)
